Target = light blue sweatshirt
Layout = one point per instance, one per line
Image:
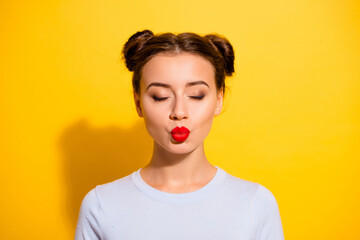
(227, 208)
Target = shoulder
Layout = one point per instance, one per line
(88, 223)
(241, 186)
(121, 184)
(236, 181)
(117, 189)
(102, 196)
(253, 191)
(107, 192)
(90, 202)
(264, 205)
(264, 195)
(269, 221)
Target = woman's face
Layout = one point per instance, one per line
(175, 91)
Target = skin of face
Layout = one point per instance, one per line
(168, 78)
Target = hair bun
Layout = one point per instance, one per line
(226, 50)
(134, 44)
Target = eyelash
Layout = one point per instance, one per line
(196, 98)
(156, 99)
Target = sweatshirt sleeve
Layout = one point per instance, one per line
(88, 225)
(269, 222)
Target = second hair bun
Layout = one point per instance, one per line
(135, 43)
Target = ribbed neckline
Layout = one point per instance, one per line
(194, 196)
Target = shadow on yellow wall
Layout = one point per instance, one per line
(94, 156)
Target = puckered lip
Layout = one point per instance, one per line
(179, 130)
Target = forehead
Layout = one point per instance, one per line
(177, 69)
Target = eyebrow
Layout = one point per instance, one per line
(157, 84)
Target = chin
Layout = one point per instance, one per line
(178, 148)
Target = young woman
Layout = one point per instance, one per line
(179, 84)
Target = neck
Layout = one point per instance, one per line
(171, 169)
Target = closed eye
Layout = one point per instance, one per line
(156, 99)
(197, 97)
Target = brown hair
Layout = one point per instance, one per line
(143, 45)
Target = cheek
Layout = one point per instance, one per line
(205, 114)
(154, 115)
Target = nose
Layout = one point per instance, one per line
(179, 111)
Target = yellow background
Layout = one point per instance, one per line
(291, 120)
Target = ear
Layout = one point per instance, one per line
(219, 102)
(138, 105)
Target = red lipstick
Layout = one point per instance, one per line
(180, 134)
